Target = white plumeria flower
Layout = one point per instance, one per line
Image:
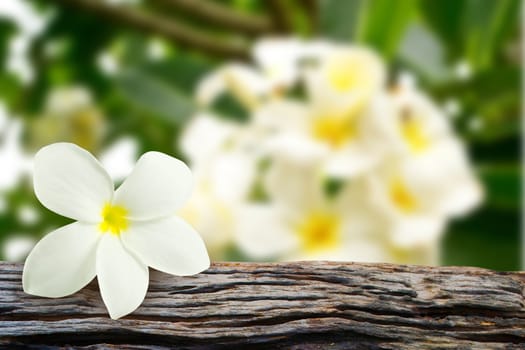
(345, 79)
(118, 233)
(245, 83)
(301, 223)
(67, 100)
(206, 135)
(223, 172)
(16, 246)
(418, 194)
(279, 59)
(410, 122)
(300, 132)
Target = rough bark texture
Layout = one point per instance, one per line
(305, 305)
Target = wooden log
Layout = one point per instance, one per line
(303, 305)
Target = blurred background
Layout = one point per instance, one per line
(119, 78)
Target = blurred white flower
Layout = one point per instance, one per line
(475, 123)
(463, 70)
(13, 160)
(28, 214)
(301, 223)
(411, 123)
(67, 100)
(205, 136)
(108, 63)
(345, 80)
(321, 111)
(16, 247)
(278, 59)
(452, 108)
(342, 146)
(30, 21)
(70, 115)
(245, 83)
(223, 175)
(156, 50)
(418, 194)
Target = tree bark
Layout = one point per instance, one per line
(303, 305)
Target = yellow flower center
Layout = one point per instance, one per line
(319, 231)
(401, 196)
(114, 219)
(336, 131)
(348, 72)
(413, 133)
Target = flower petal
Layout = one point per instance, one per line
(169, 245)
(157, 186)
(262, 232)
(71, 182)
(122, 279)
(62, 262)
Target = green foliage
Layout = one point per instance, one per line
(382, 24)
(155, 96)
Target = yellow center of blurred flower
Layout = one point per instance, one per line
(348, 72)
(114, 219)
(319, 231)
(336, 131)
(413, 133)
(401, 196)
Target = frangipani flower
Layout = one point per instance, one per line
(279, 60)
(411, 123)
(301, 223)
(297, 131)
(345, 78)
(418, 194)
(118, 233)
(223, 173)
(243, 82)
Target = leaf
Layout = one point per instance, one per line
(422, 52)
(445, 19)
(503, 185)
(156, 96)
(382, 24)
(486, 24)
(489, 239)
(339, 18)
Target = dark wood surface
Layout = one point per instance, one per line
(304, 305)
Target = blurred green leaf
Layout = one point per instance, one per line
(422, 52)
(7, 29)
(339, 18)
(155, 96)
(383, 23)
(489, 239)
(486, 23)
(503, 185)
(445, 18)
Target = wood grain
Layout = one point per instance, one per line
(303, 305)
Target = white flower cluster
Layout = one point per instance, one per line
(333, 163)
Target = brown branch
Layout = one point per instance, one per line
(279, 12)
(215, 13)
(171, 30)
(312, 10)
(304, 305)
